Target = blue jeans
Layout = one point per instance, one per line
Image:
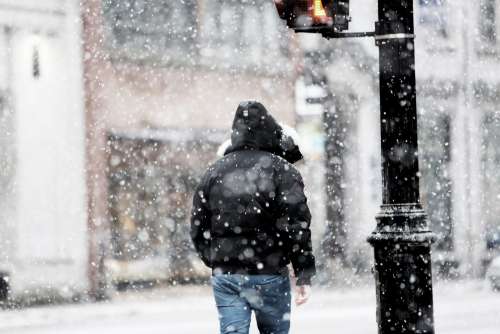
(236, 296)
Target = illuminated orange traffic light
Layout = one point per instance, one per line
(318, 13)
(317, 8)
(303, 14)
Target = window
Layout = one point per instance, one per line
(220, 33)
(491, 178)
(433, 16)
(487, 21)
(434, 133)
(149, 196)
(36, 63)
(156, 30)
(244, 33)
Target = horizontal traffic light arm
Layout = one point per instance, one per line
(327, 32)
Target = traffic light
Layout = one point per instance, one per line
(311, 15)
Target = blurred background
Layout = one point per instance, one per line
(110, 111)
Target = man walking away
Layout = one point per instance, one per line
(250, 219)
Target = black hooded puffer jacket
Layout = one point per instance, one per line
(250, 214)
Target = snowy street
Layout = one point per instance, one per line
(469, 307)
(160, 141)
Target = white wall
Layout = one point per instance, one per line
(50, 195)
(7, 155)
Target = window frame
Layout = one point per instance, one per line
(441, 29)
(129, 48)
(488, 45)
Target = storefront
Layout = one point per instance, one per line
(152, 176)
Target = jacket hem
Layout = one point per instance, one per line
(228, 270)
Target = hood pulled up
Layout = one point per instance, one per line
(255, 129)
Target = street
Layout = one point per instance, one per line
(464, 307)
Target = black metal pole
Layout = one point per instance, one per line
(402, 238)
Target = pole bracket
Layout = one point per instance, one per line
(394, 36)
(392, 30)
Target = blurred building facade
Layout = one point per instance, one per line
(110, 111)
(43, 239)
(162, 82)
(457, 58)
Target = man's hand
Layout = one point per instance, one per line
(302, 294)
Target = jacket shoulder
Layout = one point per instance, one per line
(285, 169)
(214, 168)
(210, 171)
(285, 165)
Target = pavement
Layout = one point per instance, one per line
(460, 307)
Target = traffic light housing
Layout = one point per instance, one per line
(314, 15)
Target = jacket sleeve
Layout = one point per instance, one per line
(295, 220)
(200, 223)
